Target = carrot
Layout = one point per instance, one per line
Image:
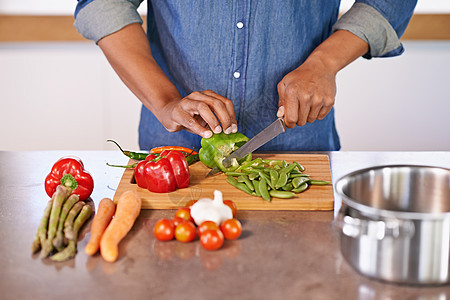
(105, 212)
(127, 211)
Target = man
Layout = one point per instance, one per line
(212, 66)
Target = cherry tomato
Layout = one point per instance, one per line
(231, 205)
(231, 229)
(207, 225)
(177, 220)
(164, 230)
(190, 203)
(185, 213)
(185, 231)
(212, 239)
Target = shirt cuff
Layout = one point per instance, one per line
(369, 25)
(104, 17)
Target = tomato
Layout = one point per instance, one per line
(177, 220)
(184, 213)
(231, 229)
(231, 205)
(185, 232)
(190, 203)
(164, 230)
(207, 225)
(212, 239)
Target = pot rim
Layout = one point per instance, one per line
(395, 214)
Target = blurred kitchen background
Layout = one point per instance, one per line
(59, 93)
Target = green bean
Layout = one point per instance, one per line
(299, 166)
(297, 181)
(318, 182)
(288, 169)
(287, 187)
(272, 162)
(262, 175)
(281, 194)
(263, 189)
(293, 175)
(253, 176)
(282, 180)
(248, 183)
(234, 174)
(273, 177)
(256, 187)
(301, 188)
(241, 186)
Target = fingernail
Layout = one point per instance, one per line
(280, 111)
(228, 130)
(207, 134)
(218, 129)
(233, 128)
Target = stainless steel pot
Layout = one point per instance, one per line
(394, 223)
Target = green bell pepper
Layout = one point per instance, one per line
(216, 148)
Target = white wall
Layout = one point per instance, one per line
(66, 96)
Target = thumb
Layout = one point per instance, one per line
(280, 112)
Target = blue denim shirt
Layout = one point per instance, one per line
(241, 49)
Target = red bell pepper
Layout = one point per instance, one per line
(69, 171)
(163, 174)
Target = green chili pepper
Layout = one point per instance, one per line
(301, 188)
(281, 194)
(216, 148)
(130, 154)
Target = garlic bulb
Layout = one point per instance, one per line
(207, 209)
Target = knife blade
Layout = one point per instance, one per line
(257, 141)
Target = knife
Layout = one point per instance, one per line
(257, 141)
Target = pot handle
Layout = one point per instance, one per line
(355, 227)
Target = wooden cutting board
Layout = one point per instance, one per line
(314, 198)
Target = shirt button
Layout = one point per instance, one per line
(237, 74)
(240, 25)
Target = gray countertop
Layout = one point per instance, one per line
(280, 255)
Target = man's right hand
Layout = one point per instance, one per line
(201, 113)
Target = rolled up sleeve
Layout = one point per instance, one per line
(97, 19)
(379, 23)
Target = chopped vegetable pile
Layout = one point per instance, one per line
(271, 178)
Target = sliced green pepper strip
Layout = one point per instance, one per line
(234, 173)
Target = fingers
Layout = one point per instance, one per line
(201, 113)
(228, 120)
(302, 101)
